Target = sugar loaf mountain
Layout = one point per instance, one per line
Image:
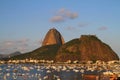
(87, 47)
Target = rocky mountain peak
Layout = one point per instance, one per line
(53, 37)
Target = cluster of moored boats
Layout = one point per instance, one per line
(98, 71)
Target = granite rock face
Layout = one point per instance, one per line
(87, 47)
(53, 37)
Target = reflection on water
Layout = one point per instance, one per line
(46, 72)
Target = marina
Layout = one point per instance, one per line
(46, 71)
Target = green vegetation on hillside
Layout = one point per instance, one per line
(45, 52)
(87, 47)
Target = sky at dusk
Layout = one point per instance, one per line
(24, 23)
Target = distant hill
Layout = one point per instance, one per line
(4, 56)
(14, 54)
(88, 47)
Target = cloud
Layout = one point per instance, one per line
(63, 14)
(8, 43)
(71, 15)
(61, 11)
(10, 46)
(14, 42)
(68, 14)
(70, 28)
(22, 49)
(57, 19)
(2, 50)
(24, 40)
(83, 24)
(40, 41)
(102, 28)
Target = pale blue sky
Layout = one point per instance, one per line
(24, 23)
